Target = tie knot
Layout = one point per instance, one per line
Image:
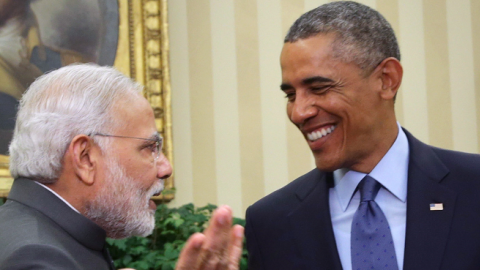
(369, 188)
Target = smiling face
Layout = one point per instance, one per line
(345, 116)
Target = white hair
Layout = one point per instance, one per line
(72, 100)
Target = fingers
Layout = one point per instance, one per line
(215, 249)
(219, 248)
(235, 248)
(191, 252)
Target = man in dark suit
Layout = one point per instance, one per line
(341, 73)
(87, 157)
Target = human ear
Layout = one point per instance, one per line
(391, 73)
(84, 158)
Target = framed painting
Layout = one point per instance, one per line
(47, 34)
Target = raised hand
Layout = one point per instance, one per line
(219, 247)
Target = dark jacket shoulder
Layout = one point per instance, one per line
(286, 197)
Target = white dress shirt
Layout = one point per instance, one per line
(392, 173)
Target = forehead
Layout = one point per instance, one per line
(134, 117)
(310, 52)
(313, 56)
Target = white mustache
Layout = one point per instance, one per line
(156, 188)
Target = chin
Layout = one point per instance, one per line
(139, 226)
(146, 228)
(326, 165)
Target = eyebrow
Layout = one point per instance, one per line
(316, 79)
(307, 81)
(156, 136)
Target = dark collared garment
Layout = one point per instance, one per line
(39, 231)
(292, 229)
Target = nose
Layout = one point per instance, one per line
(301, 109)
(164, 168)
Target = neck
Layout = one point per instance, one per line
(386, 136)
(68, 194)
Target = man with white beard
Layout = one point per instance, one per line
(86, 157)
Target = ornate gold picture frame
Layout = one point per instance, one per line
(142, 54)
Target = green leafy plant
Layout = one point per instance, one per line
(160, 250)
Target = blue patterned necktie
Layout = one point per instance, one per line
(371, 239)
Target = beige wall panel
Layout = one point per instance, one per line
(370, 3)
(225, 98)
(182, 133)
(291, 10)
(248, 83)
(389, 10)
(411, 38)
(272, 101)
(300, 159)
(201, 96)
(475, 11)
(462, 85)
(438, 74)
(311, 4)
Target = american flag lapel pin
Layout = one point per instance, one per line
(436, 206)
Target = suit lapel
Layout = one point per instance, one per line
(312, 226)
(427, 231)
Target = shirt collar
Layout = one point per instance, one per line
(60, 197)
(391, 172)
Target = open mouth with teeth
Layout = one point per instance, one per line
(315, 135)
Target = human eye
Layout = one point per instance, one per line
(320, 89)
(149, 146)
(153, 147)
(290, 95)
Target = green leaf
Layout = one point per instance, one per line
(127, 259)
(171, 254)
(120, 243)
(178, 222)
(173, 226)
(167, 267)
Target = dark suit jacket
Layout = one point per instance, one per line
(291, 228)
(39, 231)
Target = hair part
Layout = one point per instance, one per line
(363, 36)
(72, 100)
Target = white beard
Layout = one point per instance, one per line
(122, 206)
